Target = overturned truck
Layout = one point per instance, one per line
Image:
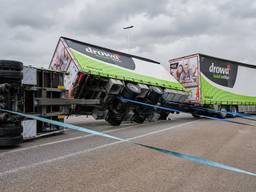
(102, 75)
(82, 79)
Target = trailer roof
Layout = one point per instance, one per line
(111, 50)
(228, 60)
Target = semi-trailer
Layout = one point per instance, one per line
(82, 79)
(86, 79)
(29, 90)
(216, 83)
(94, 72)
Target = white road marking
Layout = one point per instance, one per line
(60, 141)
(90, 150)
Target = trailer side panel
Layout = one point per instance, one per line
(103, 62)
(225, 82)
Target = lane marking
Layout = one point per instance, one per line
(91, 149)
(65, 140)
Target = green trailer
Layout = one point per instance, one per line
(217, 83)
(102, 74)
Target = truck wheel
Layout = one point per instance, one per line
(9, 74)
(223, 113)
(10, 130)
(10, 141)
(233, 109)
(12, 65)
(131, 90)
(163, 116)
(155, 94)
(139, 118)
(5, 88)
(114, 118)
(3, 117)
(195, 115)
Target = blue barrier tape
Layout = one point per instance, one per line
(61, 124)
(195, 159)
(199, 160)
(175, 110)
(236, 114)
(149, 105)
(228, 121)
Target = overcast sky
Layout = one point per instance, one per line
(163, 29)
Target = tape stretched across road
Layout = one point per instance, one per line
(198, 160)
(235, 114)
(195, 159)
(179, 111)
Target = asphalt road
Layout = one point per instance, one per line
(76, 161)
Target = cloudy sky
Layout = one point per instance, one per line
(163, 29)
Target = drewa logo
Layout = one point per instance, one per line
(220, 72)
(102, 53)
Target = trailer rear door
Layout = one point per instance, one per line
(186, 71)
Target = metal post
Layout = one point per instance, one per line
(128, 36)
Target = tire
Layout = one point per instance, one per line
(234, 110)
(9, 74)
(12, 65)
(3, 116)
(139, 118)
(114, 118)
(10, 130)
(153, 117)
(155, 94)
(195, 115)
(163, 116)
(156, 90)
(10, 141)
(221, 114)
(131, 90)
(4, 88)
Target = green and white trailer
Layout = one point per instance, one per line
(82, 79)
(217, 83)
(100, 74)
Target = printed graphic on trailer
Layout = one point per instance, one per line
(71, 76)
(102, 60)
(221, 72)
(186, 71)
(61, 58)
(103, 55)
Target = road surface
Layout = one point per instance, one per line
(76, 161)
